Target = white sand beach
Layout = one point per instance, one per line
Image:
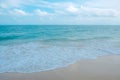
(102, 68)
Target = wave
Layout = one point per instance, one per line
(37, 56)
(41, 48)
(4, 38)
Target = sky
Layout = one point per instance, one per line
(71, 12)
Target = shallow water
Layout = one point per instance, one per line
(40, 48)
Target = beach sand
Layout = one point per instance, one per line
(102, 68)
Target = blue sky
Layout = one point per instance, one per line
(60, 12)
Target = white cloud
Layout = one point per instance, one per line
(92, 8)
(40, 12)
(99, 12)
(113, 4)
(72, 8)
(11, 4)
(109, 8)
(59, 8)
(86, 9)
(19, 12)
(65, 9)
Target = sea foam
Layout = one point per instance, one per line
(36, 57)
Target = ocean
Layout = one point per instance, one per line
(36, 48)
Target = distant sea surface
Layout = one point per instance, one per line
(36, 48)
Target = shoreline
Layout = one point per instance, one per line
(102, 68)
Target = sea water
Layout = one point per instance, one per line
(36, 48)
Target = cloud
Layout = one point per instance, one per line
(59, 8)
(18, 12)
(70, 11)
(89, 7)
(72, 8)
(113, 4)
(85, 9)
(101, 8)
(99, 12)
(7, 4)
(40, 12)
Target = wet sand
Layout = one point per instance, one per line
(102, 68)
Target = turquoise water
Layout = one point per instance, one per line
(46, 47)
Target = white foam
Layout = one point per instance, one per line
(35, 57)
